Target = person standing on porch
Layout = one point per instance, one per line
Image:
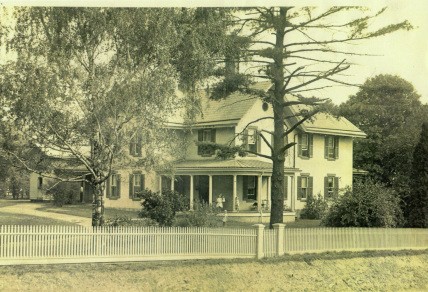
(236, 204)
(225, 218)
(219, 202)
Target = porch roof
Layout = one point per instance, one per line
(230, 165)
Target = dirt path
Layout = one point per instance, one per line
(31, 209)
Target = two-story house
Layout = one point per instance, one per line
(320, 163)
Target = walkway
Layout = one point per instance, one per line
(31, 209)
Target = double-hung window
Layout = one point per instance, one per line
(304, 187)
(305, 145)
(331, 149)
(113, 186)
(136, 185)
(206, 135)
(331, 186)
(135, 145)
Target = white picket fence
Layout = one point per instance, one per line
(76, 244)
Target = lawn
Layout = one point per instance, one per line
(346, 271)
(20, 219)
(85, 210)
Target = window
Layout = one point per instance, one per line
(135, 145)
(251, 140)
(331, 186)
(40, 182)
(250, 187)
(136, 185)
(113, 186)
(206, 135)
(331, 147)
(304, 187)
(305, 145)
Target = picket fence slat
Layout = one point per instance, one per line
(76, 242)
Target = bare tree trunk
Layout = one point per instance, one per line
(98, 205)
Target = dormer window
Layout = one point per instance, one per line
(251, 140)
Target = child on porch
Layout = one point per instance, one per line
(225, 218)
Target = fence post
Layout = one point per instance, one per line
(279, 231)
(259, 244)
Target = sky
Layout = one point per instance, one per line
(404, 53)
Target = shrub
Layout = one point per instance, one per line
(162, 207)
(64, 193)
(368, 204)
(203, 215)
(315, 208)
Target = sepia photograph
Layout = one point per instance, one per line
(214, 146)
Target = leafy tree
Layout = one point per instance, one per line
(294, 49)
(88, 80)
(388, 109)
(416, 210)
(367, 204)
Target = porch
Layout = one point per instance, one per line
(233, 185)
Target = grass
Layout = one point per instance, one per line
(85, 210)
(20, 219)
(344, 271)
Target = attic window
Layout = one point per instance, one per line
(265, 106)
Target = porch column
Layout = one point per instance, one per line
(259, 192)
(235, 195)
(293, 193)
(191, 192)
(172, 183)
(269, 191)
(210, 189)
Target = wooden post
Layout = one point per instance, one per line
(279, 230)
(191, 192)
(259, 240)
(259, 192)
(210, 189)
(269, 182)
(235, 195)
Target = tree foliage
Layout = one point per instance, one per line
(367, 204)
(88, 80)
(416, 208)
(388, 109)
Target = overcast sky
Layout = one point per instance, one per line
(403, 53)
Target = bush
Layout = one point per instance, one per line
(315, 208)
(64, 193)
(162, 207)
(203, 215)
(368, 204)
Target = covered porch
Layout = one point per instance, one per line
(240, 185)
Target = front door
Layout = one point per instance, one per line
(203, 187)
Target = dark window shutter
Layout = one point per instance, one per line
(310, 186)
(131, 149)
(326, 195)
(200, 139)
(336, 147)
(139, 146)
(311, 145)
(108, 190)
(285, 187)
(131, 186)
(118, 185)
(245, 139)
(336, 187)
(245, 186)
(299, 188)
(299, 145)
(326, 147)
(258, 141)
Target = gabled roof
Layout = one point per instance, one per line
(228, 110)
